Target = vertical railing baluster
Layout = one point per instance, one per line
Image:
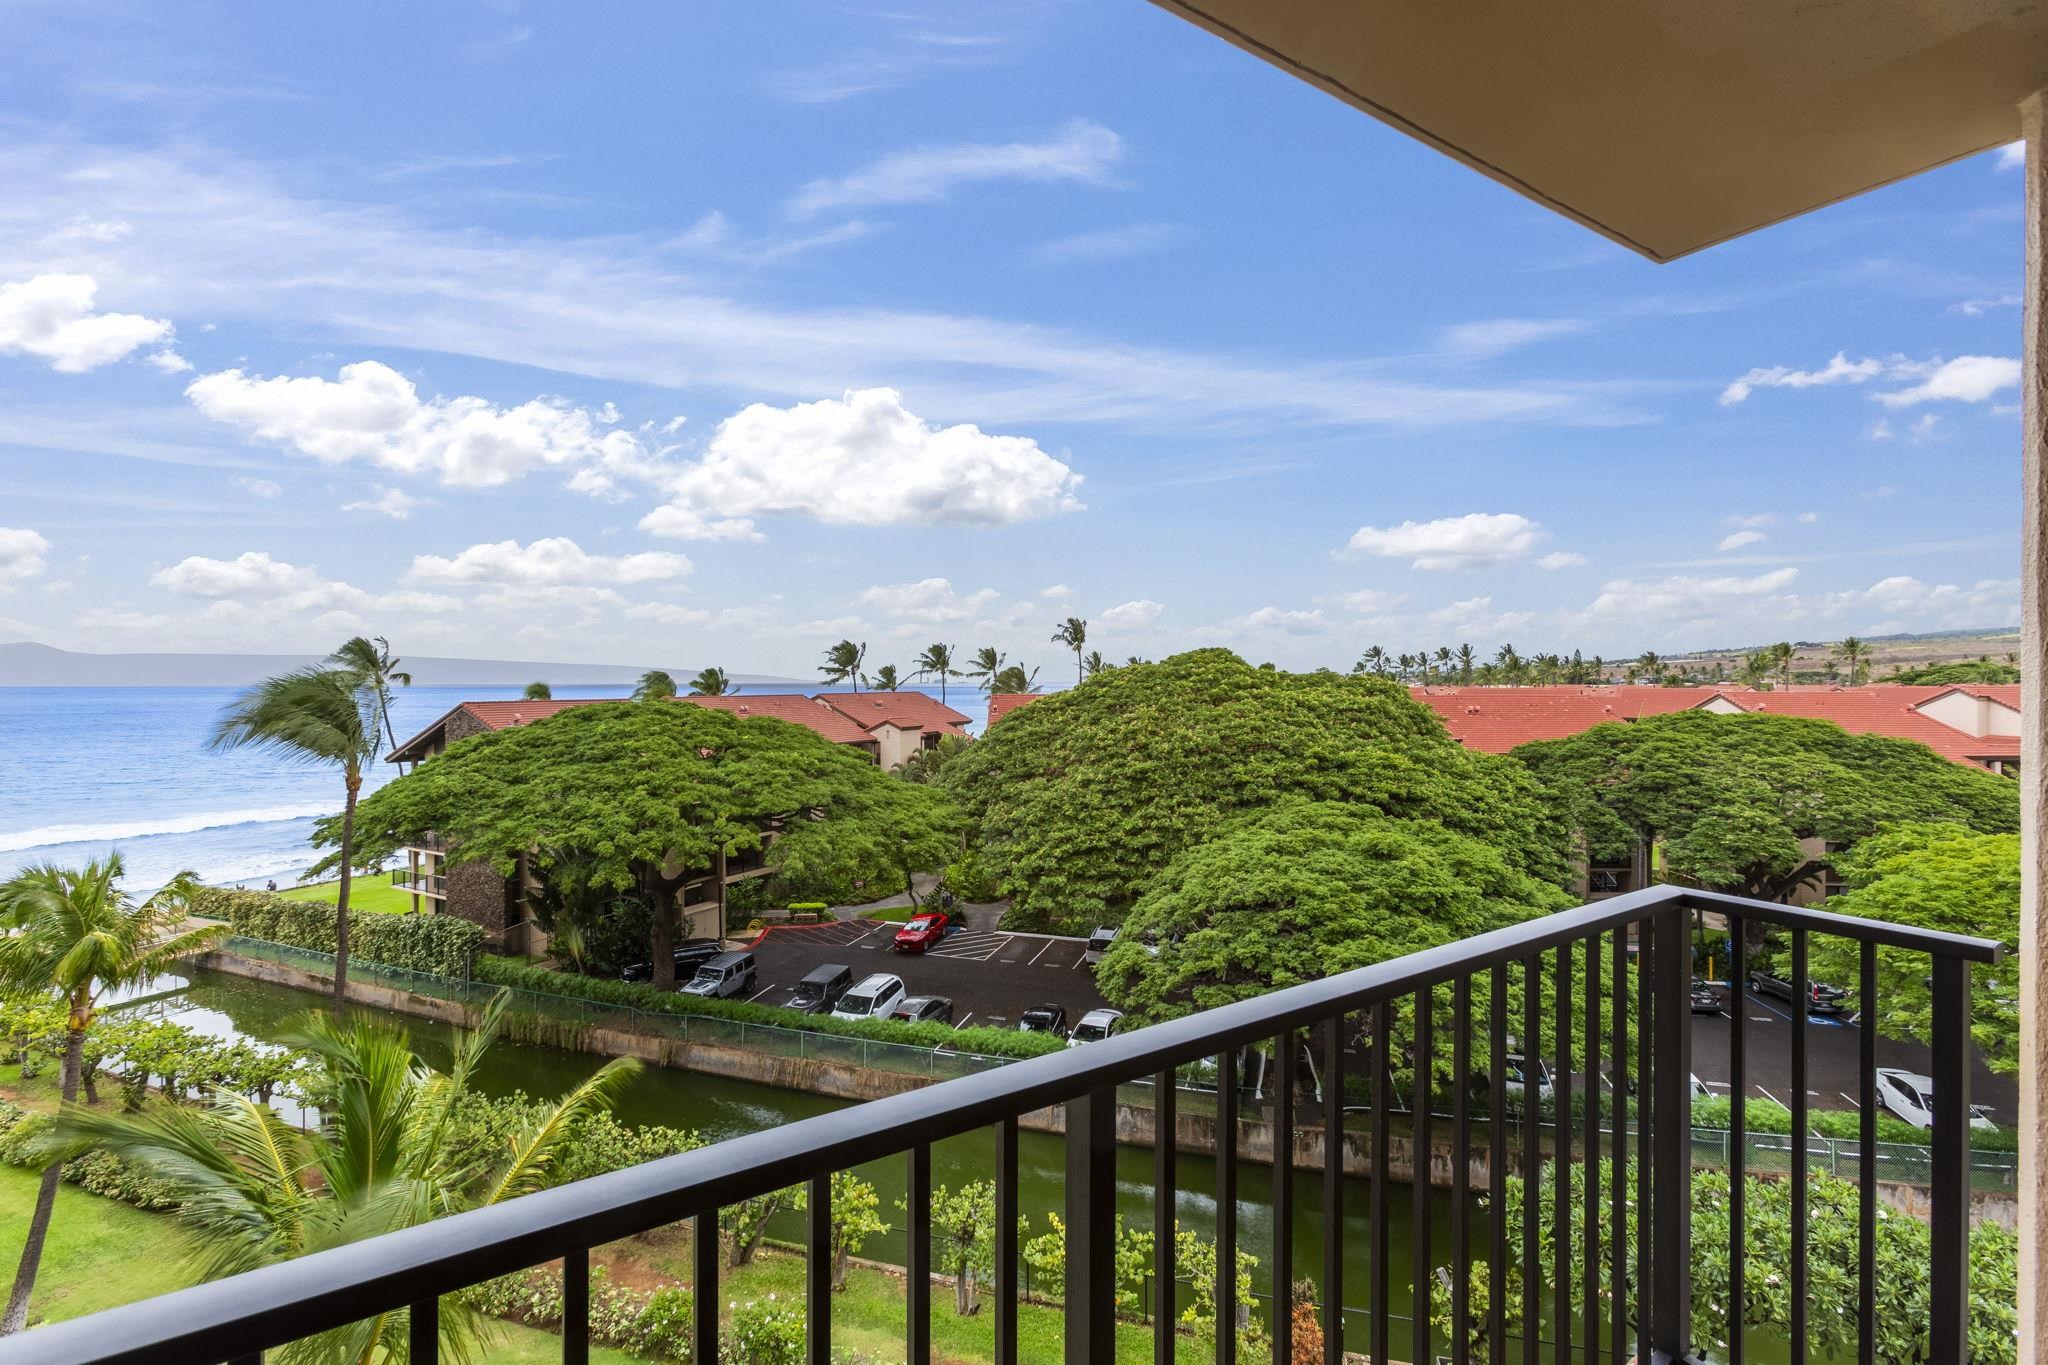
(1497, 1164)
(1382, 1045)
(1561, 1157)
(1461, 1171)
(1226, 1208)
(1949, 1194)
(1281, 1318)
(1091, 1225)
(1617, 1168)
(1800, 1010)
(1866, 1163)
(917, 1257)
(1419, 1169)
(1590, 1192)
(1646, 1117)
(818, 1273)
(704, 1285)
(1007, 1221)
(423, 1332)
(1165, 1134)
(576, 1307)
(1333, 1193)
(1532, 1144)
(1671, 1136)
(1738, 1147)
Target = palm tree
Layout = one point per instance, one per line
(1466, 662)
(1856, 654)
(987, 662)
(77, 934)
(886, 679)
(1443, 661)
(1756, 668)
(654, 685)
(712, 682)
(1374, 660)
(1510, 664)
(538, 691)
(256, 1191)
(1013, 678)
(313, 716)
(1782, 652)
(1073, 633)
(1651, 665)
(373, 660)
(843, 661)
(937, 662)
(1095, 663)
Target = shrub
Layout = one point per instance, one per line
(441, 944)
(1768, 1116)
(971, 880)
(653, 1326)
(765, 1332)
(992, 1042)
(102, 1173)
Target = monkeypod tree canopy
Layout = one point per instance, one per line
(1080, 800)
(1729, 798)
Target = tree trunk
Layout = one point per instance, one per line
(661, 940)
(963, 1290)
(348, 839)
(839, 1261)
(16, 1317)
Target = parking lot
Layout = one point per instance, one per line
(991, 976)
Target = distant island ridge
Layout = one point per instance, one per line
(27, 664)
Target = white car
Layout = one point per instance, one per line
(1910, 1096)
(872, 997)
(1096, 1025)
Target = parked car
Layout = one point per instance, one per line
(923, 1009)
(873, 998)
(923, 931)
(1821, 998)
(1709, 997)
(1910, 1096)
(689, 955)
(1700, 1090)
(1096, 1025)
(724, 976)
(1044, 1019)
(1099, 942)
(821, 988)
(1514, 1073)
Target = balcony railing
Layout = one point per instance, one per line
(1600, 993)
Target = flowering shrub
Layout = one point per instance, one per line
(654, 1326)
(764, 1332)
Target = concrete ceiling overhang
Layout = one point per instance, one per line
(1667, 125)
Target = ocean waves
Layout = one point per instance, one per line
(114, 831)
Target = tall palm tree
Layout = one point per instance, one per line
(1374, 660)
(1095, 663)
(1856, 654)
(843, 661)
(1782, 652)
(1443, 661)
(75, 933)
(886, 679)
(1013, 678)
(313, 716)
(538, 691)
(1073, 633)
(256, 1191)
(1651, 665)
(987, 662)
(654, 685)
(372, 658)
(937, 662)
(712, 682)
(1467, 660)
(1510, 664)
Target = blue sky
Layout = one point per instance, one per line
(712, 333)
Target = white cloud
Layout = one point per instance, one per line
(1840, 370)
(395, 503)
(1476, 616)
(51, 317)
(1966, 379)
(1113, 244)
(21, 555)
(2012, 156)
(254, 582)
(1971, 308)
(1561, 559)
(1131, 615)
(1737, 539)
(1497, 336)
(677, 522)
(927, 600)
(1880, 430)
(1924, 426)
(554, 561)
(1471, 541)
(1808, 518)
(1057, 592)
(1372, 601)
(262, 488)
(1685, 598)
(864, 460)
(170, 362)
(1082, 151)
(374, 414)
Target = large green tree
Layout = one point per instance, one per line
(646, 797)
(1079, 801)
(1729, 800)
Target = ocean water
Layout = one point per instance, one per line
(87, 769)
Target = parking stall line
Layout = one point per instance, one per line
(1040, 953)
(963, 1019)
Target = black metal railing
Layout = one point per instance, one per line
(1599, 994)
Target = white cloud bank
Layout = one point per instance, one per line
(1737, 539)
(861, 460)
(254, 582)
(1131, 615)
(21, 555)
(927, 600)
(1965, 379)
(1082, 151)
(552, 562)
(1472, 541)
(51, 317)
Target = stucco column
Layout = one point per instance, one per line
(2033, 1209)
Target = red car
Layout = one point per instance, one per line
(922, 932)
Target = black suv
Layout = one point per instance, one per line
(690, 954)
(1820, 997)
(1044, 1019)
(820, 990)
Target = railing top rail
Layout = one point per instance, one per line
(228, 1318)
(1880, 932)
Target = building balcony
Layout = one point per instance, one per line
(1609, 1167)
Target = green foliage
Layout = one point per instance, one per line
(652, 1326)
(926, 764)
(767, 1331)
(969, 878)
(439, 944)
(1940, 877)
(744, 1224)
(1730, 797)
(856, 1216)
(23, 1136)
(963, 1226)
(1046, 1256)
(991, 1042)
(1079, 801)
(1844, 1125)
(1302, 890)
(1949, 675)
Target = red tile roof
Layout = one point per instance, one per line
(904, 710)
(1001, 704)
(1883, 710)
(503, 715)
(793, 707)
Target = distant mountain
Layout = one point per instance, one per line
(33, 665)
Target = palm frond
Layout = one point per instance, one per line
(534, 1151)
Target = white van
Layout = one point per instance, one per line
(872, 998)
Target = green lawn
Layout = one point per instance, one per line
(372, 892)
(100, 1253)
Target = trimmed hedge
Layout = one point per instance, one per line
(440, 944)
(1768, 1116)
(989, 1042)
